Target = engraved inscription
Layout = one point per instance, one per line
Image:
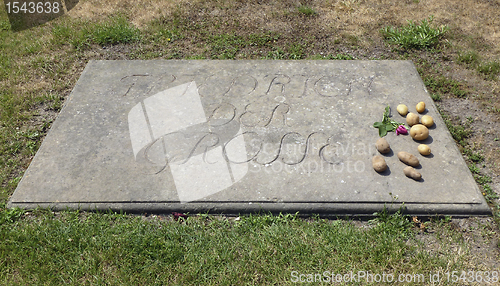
(260, 121)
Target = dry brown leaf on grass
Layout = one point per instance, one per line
(418, 223)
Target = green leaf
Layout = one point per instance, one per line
(387, 124)
(387, 112)
(382, 131)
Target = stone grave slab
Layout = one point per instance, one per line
(243, 136)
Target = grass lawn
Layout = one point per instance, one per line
(454, 44)
(109, 248)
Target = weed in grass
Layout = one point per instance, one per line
(473, 156)
(161, 31)
(114, 31)
(263, 39)
(77, 34)
(32, 146)
(493, 109)
(10, 107)
(489, 194)
(32, 48)
(62, 31)
(4, 25)
(225, 46)
(45, 65)
(61, 34)
(317, 57)
(81, 40)
(482, 180)
(469, 58)
(396, 223)
(415, 36)
(175, 54)
(296, 52)
(474, 169)
(276, 54)
(261, 221)
(13, 183)
(54, 101)
(149, 55)
(10, 215)
(440, 85)
(340, 57)
(436, 96)
(195, 57)
(306, 10)
(489, 69)
(459, 132)
(5, 65)
(117, 30)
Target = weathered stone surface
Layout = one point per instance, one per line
(242, 136)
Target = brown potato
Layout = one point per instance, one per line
(402, 109)
(379, 163)
(424, 149)
(410, 172)
(419, 132)
(408, 159)
(420, 107)
(382, 146)
(427, 120)
(412, 119)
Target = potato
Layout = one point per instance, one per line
(408, 159)
(402, 109)
(410, 172)
(379, 163)
(420, 107)
(419, 132)
(412, 119)
(427, 120)
(382, 146)
(424, 149)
